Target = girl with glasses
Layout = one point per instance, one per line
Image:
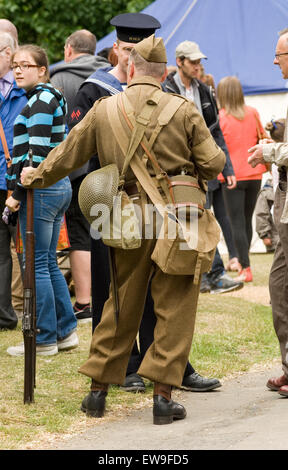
(41, 127)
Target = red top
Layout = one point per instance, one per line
(239, 137)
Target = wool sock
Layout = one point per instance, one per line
(96, 386)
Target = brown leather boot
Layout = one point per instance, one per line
(165, 410)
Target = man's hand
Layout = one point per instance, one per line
(12, 204)
(257, 155)
(266, 141)
(231, 182)
(267, 241)
(26, 170)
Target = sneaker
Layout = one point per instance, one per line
(225, 283)
(41, 350)
(83, 315)
(205, 286)
(245, 275)
(70, 342)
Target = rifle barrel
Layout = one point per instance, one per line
(29, 313)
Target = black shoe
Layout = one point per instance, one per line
(94, 404)
(164, 411)
(225, 283)
(83, 315)
(133, 383)
(197, 383)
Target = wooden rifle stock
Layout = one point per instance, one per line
(29, 313)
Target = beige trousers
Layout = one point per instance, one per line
(175, 302)
(278, 282)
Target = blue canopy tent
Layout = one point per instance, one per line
(237, 36)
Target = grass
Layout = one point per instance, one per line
(232, 334)
(233, 338)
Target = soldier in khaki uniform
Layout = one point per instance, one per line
(184, 142)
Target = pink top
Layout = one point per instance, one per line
(239, 137)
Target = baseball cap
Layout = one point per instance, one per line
(189, 50)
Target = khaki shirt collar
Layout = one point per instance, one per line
(145, 80)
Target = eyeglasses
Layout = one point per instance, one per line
(282, 53)
(23, 67)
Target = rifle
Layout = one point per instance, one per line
(29, 312)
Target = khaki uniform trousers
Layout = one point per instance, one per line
(175, 303)
(278, 282)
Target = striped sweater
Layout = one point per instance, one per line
(40, 127)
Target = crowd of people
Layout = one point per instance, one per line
(60, 115)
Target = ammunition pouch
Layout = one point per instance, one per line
(186, 192)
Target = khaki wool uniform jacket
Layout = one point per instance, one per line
(184, 142)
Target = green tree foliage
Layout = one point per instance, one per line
(48, 22)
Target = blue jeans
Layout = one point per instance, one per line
(54, 311)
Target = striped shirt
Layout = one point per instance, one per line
(40, 127)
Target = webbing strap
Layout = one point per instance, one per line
(138, 130)
(138, 167)
(197, 271)
(124, 142)
(120, 135)
(163, 119)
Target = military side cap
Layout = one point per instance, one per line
(152, 49)
(133, 27)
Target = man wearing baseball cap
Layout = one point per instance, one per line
(185, 83)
